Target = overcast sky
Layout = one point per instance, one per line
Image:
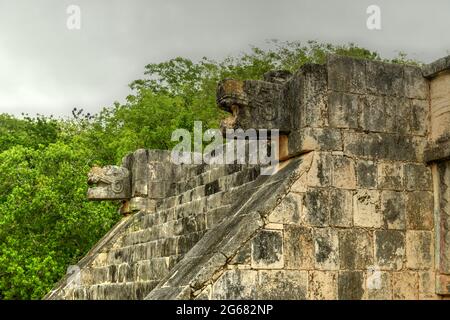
(47, 68)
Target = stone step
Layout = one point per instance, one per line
(164, 247)
(113, 291)
(207, 174)
(195, 222)
(144, 270)
(184, 225)
(221, 183)
(192, 172)
(182, 214)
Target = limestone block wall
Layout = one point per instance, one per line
(328, 241)
(360, 223)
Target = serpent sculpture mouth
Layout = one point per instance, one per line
(258, 105)
(231, 93)
(231, 98)
(109, 183)
(255, 104)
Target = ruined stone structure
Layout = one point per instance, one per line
(359, 207)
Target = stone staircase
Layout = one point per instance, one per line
(152, 242)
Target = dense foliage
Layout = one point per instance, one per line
(46, 224)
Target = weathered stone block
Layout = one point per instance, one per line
(113, 273)
(323, 285)
(163, 156)
(298, 247)
(160, 171)
(419, 210)
(355, 249)
(282, 285)
(366, 174)
(288, 211)
(326, 245)
(405, 148)
(274, 226)
(215, 216)
(346, 74)
(384, 79)
(315, 114)
(343, 109)
(419, 120)
(439, 107)
(84, 276)
(67, 293)
(235, 285)
(366, 209)
(138, 204)
(419, 250)
(308, 139)
(393, 207)
(417, 177)
(184, 243)
(100, 260)
(372, 116)
(405, 285)
(198, 193)
(390, 175)
(343, 174)
(387, 146)
(157, 189)
(205, 294)
(397, 114)
(341, 208)
(301, 184)
(416, 86)
(365, 145)
(212, 187)
(244, 255)
(319, 175)
(427, 285)
(379, 285)
(139, 170)
(351, 285)
(443, 285)
(215, 201)
(389, 249)
(312, 86)
(80, 293)
(267, 250)
(316, 207)
(433, 69)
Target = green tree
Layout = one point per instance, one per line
(45, 222)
